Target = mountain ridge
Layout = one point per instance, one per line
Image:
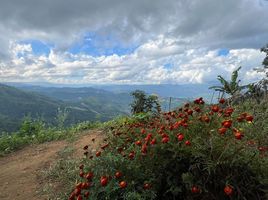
(15, 104)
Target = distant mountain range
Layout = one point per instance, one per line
(164, 90)
(107, 96)
(188, 91)
(84, 103)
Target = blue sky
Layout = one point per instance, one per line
(96, 45)
(223, 52)
(38, 47)
(131, 42)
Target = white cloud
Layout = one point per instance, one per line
(183, 34)
(190, 66)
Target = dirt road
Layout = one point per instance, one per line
(19, 170)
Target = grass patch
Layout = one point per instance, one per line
(59, 179)
(36, 132)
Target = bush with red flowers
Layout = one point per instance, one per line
(195, 152)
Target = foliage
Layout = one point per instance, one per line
(198, 152)
(61, 117)
(264, 49)
(232, 87)
(144, 103)
(35, 131)
(256, 91)
(86, 125)
(265, 61)
(31, 126)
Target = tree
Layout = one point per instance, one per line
(257, 90)
(137, 106)
(152, 104)
(232, 87)
(144, 103)
(260, 88)
(265, 61)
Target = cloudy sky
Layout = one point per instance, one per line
(130, 41)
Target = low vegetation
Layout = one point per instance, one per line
(36, 131)
(58, 178)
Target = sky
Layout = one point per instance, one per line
(131, 41)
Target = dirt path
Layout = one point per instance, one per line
(19, 170)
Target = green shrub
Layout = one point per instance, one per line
(31, 126)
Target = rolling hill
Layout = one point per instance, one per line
(109, 98)
(15, 104)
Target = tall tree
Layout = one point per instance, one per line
(143, 103)
(137, 106)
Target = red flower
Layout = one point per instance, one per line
(118, 174)
(227, 123)
(199, 101)
(206, 119)
(187, 143)
(180, 136)
(165, 139)
(144, 149)
(89, 175)
(197, 109)
(189, 112)
(131, 155)
(228, 111)
(249, 118)
(104, 181)
(143, 131)
(153, 141)
(228, 190)
(222, 130)
(222, 101)
(240, 118)
(85, 185)
(195, 189)
(215, 108)
(146, 186)
(148, 137)
(77, 191)
(81, 174)
(123, 184)
(238, 135)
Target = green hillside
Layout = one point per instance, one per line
(110, 99)
(15, 104)
(95, 99)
